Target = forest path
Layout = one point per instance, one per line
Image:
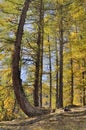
(60, 120)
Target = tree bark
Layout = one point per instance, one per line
(72, 81)
(83, 89)
(50, 68)
(39, 59)
(41, 49)
(72, 77)
(37, 68)
(56, 75)
(61, 58)
(27, 108)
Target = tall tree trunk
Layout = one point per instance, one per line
(41, 48)
(56, 75)
(27, 108)
(37, 68)
(61, 58)
(72, 82)
(39, 59)
(83, 90)
(50, 68)
(72, 77)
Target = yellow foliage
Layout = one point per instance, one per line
(1, 116)
(29, 90)
(8, 7)
(8, 103)
(6, 71)
(2, 56)
(46, 43)
(2, 22)
(79, 13)
(73, 35)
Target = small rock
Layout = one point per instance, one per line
(67, 108)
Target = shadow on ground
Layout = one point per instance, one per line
(60, 120)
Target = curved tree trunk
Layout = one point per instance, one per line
(27, 108)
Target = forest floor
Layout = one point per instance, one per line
(60, 120)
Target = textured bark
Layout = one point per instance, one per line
(39, 58)
(72, 77)
(27, 108)
(50, 68)
(84, 89)
(41, 49)
(37, 67)
(57, 77)
(61, 58)
(72, 82)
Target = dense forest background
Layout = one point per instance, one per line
(53, 54)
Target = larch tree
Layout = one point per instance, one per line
(8, 24)
(27, 108)
(39, 57)
(61, 43)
